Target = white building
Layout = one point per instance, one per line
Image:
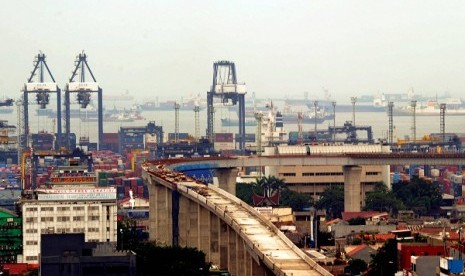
(77, 209)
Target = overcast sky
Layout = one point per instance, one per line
(280, 48)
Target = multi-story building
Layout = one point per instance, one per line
(314, 180)
(10, 236)
(72, 203)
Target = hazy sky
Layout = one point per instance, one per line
(281, 48)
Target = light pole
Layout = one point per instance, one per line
(334, 121)
(353, 100)
(315, 103)
(413, 105)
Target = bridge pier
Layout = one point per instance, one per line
(352, 197)
(161, 208)
(227, 179)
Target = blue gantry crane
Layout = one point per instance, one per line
(42, 90)
(230, 92)
(83, 89)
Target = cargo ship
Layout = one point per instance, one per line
(184, 104)
(6, 105)
(431, 108)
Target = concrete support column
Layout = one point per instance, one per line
(232, 258)
(163, 229)
(240, 255)
(257, 269)
(247, 263)
(214, 239)
(183, 219)
(227, 179)
(223, 242)
(193, 224)
(152, 210)
(352, 199)
(204, 231)
(387, 176)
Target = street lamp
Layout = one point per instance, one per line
(353, 100)
(315, 103)
(334, 121)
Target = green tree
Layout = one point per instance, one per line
(383, 200)
(168, 260)
(297, 201)
(270, 184)
(357, 266)
(418, 195)
(384, 262)
(332, 200)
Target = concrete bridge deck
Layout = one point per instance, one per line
(264, 244)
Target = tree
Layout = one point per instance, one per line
(418, 195)
(357, 266)
(295, 200)
(384, 262)
(381, 199)
(170, 260)
(270, 184)
(332, 200)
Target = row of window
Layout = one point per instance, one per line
(62, 218)
(325, 174)
(75, 208)
(62, 230)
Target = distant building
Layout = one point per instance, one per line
(72, 204)
(313, 180)
(69, 254)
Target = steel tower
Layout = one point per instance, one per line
(83, 90)
(225, 87)
(442, 119)
(391, 125)
(42, 90)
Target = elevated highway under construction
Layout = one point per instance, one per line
(187, 212)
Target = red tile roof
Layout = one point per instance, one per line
(367, 214)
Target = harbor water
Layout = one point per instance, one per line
(166, 118)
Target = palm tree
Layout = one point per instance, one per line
(269, 185)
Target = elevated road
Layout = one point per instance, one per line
(232, 234)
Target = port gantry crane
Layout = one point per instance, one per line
(225, 86)
(42, 90)
(83, 90)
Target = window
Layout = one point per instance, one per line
(78, 208)
(63, 219)
(31, 219)
(62, 208)
(45, 209)
(31, 230)
(78, 218)
(31, 258)
(288, 174)
(63, 230)
(308, 174)
(372, 173)
(31, 209)
(31, 242)
(93, 240)
(45, 219)
(79, 230)
(93, 208)
(92, 229)
(49, 230)
(94, 217)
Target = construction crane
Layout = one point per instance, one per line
(42, 90)
(230, 92)
(83, 89)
